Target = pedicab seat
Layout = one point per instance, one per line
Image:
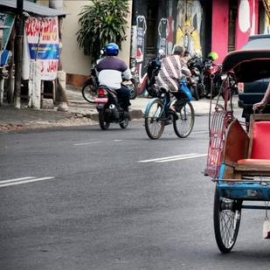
(258, 158)
(248, 154)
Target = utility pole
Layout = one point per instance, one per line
(18, 53)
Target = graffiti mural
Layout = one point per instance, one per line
(246, 21)
(171, 28)
(189, 19)
(141, 30)
(163, 34)
(267, 21)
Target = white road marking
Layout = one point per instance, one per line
(200, 132)
(87, 143)
(23, 180)
(182, 158)
(173, 158)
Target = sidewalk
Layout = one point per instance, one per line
(80, 113)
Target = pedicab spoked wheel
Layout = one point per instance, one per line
(103, 121)
(154, 121)
(183, 123)
(227, 217)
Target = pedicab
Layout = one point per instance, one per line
(238, 159)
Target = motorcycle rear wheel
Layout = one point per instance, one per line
(89, 91)
(103, 122)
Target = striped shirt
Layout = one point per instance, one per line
(170, 72)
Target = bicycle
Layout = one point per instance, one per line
(158, 114)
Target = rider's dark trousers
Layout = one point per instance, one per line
(124, 94)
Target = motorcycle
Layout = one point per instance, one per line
(90, 86)
(109, 107)
(133, 83)
(146, 83)
(196, 84)
(212, 80)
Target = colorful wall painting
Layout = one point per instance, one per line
(267, 21)
(163, 35)
(245, 25)
(170, 27)
(189, 19)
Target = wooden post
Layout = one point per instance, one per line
(18, 55)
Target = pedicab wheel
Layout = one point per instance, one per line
(227, 217)
(154, 122)
(184, 119)
(89, 91)
(103, 122)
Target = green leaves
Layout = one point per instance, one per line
(100, 23)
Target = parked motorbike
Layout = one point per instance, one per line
(212, 80)
(196, 84)
(89, 88)
(109, 107)
(133, 84)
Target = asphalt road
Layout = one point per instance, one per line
(81, 198)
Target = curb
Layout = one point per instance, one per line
(135, 114)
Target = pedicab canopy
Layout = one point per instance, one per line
(252, 61)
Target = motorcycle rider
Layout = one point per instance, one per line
(172, 69)
(111, 71)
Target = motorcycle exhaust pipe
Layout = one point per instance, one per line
(114, 111)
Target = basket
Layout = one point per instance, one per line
(217, 132)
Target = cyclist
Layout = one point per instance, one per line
(172, 69)
(111, 72)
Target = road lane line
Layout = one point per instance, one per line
(16, 179)
(87, 143)
(200, 132)
(191, 155)
(181, 158)
(20, 182)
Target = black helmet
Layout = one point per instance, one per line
(111, 49)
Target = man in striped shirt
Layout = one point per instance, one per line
(173, 67)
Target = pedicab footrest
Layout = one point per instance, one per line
(244, 190)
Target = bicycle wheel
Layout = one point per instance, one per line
(89, 91)
(184, 119)
(227, 217)
(154, 122)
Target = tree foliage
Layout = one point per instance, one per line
(101, 22)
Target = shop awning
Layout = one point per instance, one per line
(31, 8)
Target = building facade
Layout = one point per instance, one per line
(200, 26)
